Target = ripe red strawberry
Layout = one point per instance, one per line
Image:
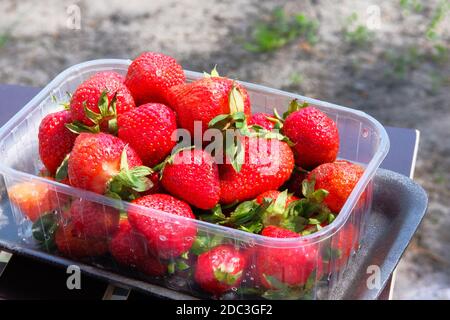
(205, 99)
(129, 249)
(70, 244)
(93, 220)
(192, 175)
(267, 164)
(220, 269)
(150, 75)
(261, 120)
(277, 232)
(273, 195)
(277, 267)
(338, 178)
(315, 137)
(55, 140)
(102, 163)
(97, 95)
(167, 236)
(148, 130)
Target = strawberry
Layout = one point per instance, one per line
(150, 75)
(103, 164)
(93, 220)
(261, 119)
(338, 178)
(267, 164)
(314, 134)
(96, 103)
(129, 249)
(55, 140)
(148, 130)
(192, 175)
(273, 195)
(34, 198)
(277, 232)
(220, 269)
(286, 270)
(211, 98)
(167, 236)
(70, 244)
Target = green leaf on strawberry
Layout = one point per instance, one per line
(285, 292)
(44, 230)
(226, 277)
(108, 112)
(294, 105)
(128, 181)
(236, 100)
(62, 171)
(205, 242)
(213, 73)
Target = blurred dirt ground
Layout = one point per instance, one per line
(396, 68)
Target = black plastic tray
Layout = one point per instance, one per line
(398, 208)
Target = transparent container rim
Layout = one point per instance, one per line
(318, 236)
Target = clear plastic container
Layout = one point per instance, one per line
(326, 252)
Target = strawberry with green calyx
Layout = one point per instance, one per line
(106, 118)
(193, 176)
(309, 214)
(287, 272)
(265, 165)
(314, 135)
(247, 216)
(252, 216)
(129, 182)
(205, 242)
(339, 178)
(104, 164)
(97, 102)
(275, 215)
(275, 208)
(212, 97)
(220, 269)
(235, 126)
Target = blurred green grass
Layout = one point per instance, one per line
(281, 29)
